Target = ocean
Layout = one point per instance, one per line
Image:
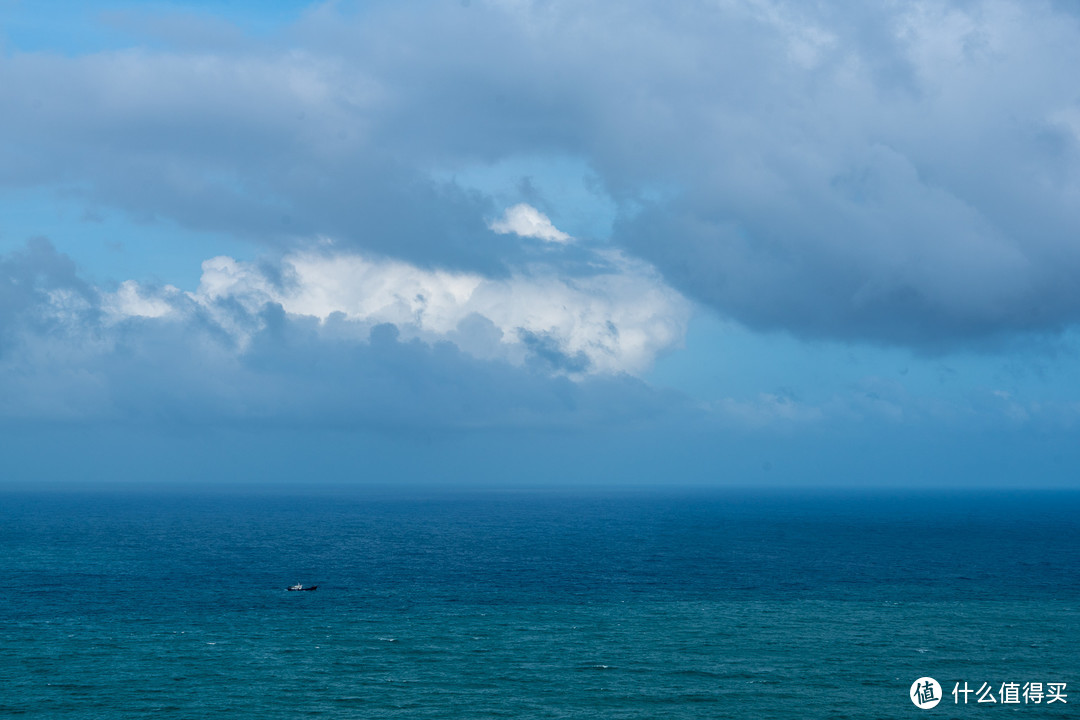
(538, 604)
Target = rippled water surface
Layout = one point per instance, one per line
(533, 605)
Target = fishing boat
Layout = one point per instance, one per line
(301, 588)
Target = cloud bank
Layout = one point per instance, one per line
(898, 173)
(332, 339)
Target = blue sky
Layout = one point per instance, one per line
(513, 242)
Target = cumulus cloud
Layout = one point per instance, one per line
(525, 220)
(614, 321)
(333, 338)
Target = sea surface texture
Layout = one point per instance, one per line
(536, 605)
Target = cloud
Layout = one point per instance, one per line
(525, 220)
(40, 291)
(282, 345)
(616, 320)
(904, 174)
(335, 340)
(266, 147)
(129, 300)
(895, 173)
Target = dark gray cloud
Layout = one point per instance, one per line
(262, 146)
(898, 173)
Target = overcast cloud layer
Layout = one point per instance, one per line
(898, 172)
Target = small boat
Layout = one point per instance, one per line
(300, 587)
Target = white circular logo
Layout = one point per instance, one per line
(925, 692)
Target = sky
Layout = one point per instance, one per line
(540, 243)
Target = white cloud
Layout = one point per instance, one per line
(130, 301)
(616, 321)
(525, 220)
(227, 353)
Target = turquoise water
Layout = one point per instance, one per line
(657, 605)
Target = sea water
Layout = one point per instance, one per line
(547, 604)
